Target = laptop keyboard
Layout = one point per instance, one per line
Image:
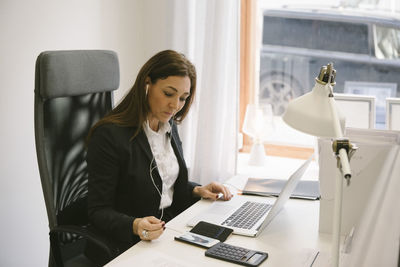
(247, 215)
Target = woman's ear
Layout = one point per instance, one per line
(147, 82)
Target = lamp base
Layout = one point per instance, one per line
(257, 155)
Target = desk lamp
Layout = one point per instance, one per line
(316, 113)
(258, 124)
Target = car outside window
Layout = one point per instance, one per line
(316, 34)
(365, 52)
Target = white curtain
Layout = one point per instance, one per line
(208, 33)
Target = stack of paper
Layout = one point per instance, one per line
(273, 187)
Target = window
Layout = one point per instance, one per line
(287, 50)
(249, 92)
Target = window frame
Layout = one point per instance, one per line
(250, 45)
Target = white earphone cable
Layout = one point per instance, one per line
(152, 179)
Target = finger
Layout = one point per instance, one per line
(216, 187)
(222, 189)
(153, 219)
(151, 235)
(227, 193)
(152, 224)
(219, 189)
(230, 194)
(206, 193)
(155, 234)
(144, 236)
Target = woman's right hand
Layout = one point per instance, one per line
(148, 228)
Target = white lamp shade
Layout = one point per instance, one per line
(312, 113)
(258, 121)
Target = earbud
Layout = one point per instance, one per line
(147, 89)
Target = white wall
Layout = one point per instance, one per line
(27, 28)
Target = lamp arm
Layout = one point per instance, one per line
(341, 147)
(337, 127)
(341, 151)
(345, 164)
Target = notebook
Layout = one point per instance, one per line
(246, 217)
(272, 187)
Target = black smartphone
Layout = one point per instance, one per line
(197, 240)
(212, 230)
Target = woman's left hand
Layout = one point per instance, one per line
(212, 190)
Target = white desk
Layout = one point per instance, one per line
(291, 239)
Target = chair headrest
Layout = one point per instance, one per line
(76, 72)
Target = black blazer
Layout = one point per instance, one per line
(120, 186)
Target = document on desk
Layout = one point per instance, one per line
(151, 258)
(273, 187)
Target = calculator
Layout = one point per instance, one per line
(238, 255)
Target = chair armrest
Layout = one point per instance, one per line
(90, 234)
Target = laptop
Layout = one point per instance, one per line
(248, 217)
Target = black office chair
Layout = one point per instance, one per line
(73, 90)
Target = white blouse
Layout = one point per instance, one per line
(167, 163)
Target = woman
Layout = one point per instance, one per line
(138, 179)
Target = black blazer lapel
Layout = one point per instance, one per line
(144, 144)
(177, 146)
(141, 138)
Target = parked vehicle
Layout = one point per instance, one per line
(365, 51)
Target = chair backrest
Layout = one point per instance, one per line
(393, 113)
(359, 110)
(73, 90)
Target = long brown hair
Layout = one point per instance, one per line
(134, 108)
